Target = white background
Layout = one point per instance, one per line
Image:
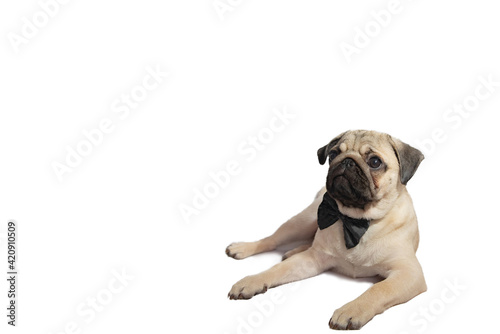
(119, 208)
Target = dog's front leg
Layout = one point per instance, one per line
(404, 281)
(300, 266)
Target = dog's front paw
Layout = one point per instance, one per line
(241, 250)
(247, 288)
(351, 316)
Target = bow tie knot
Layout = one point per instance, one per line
(329, 214)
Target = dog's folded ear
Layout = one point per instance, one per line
(409, 159)
(323, 152)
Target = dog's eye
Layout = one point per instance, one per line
(332, 155)
(374, 162)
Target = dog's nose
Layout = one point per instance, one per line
(348, 163)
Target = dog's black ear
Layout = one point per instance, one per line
(409, 159)
(323, 152)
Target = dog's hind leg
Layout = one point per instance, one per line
(301, 227)
(296, 250)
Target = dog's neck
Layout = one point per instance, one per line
(375, 210)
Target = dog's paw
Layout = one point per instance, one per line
(350, 316)
(247, 288)
(241, 250)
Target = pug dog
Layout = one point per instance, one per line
(361, 224)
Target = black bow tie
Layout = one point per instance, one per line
(328, 214)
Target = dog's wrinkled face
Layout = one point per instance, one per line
(367, 166)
